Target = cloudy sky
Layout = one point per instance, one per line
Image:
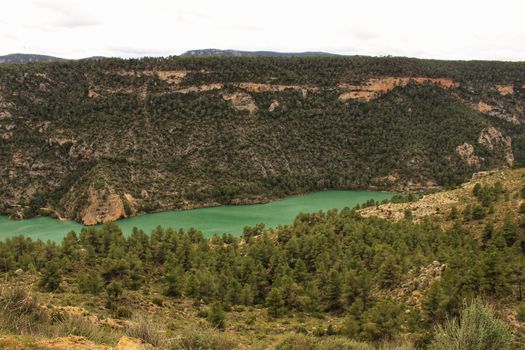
(446, 29)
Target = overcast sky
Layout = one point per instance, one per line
(446, 29)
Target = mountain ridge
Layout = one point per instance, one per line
(264, 53)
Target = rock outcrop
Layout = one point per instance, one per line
(201, 88)
(374, 88)
(418, 281)
(505, 90)
(70, 343)
(258, 87)
(241, 101)
(493, 139)
(273, 106)
(497, 111)
(128, 343)
(104, 205)
(466, 152)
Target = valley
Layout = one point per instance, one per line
(290, 203)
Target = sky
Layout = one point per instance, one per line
(441, 29)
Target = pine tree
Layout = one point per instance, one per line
(488, 231)
(51, 277)
(275, 303)
(174, 282)
(332, 293)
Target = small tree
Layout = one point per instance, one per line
(113, 291)
(478, 212)
(275, 302)
(89, 283)
(217, 316)
(477, 329)
(174, 282)
(51, 277)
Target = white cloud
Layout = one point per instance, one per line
(450, 29)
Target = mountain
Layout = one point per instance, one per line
(26, 58)
(237, 53)
(95, 141)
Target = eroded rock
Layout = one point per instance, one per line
(104, 205)
(273, 106)
(505, 90)
(466, 152)
(129, 343)
(492, 138)
(241, 101)
(373, 88)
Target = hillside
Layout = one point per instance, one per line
(28, 58)
(462, 203)
(330, 280)
(95, 141)
(239, 53)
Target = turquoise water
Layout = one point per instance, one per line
(223, 219)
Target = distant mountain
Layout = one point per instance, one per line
(237, 53)
(26, 58)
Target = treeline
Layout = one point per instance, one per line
(335, 262)
(324, 71)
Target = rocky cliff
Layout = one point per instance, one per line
(96, 141)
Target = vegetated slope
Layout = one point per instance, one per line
(98, 140)
(335, 277)
(485, 198)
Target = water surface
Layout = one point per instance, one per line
(224, 219)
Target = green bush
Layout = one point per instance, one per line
(477, 329)
(51, 277)
(520, 313)
(123, 312)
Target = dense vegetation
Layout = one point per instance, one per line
(327, 262)
(70, 129)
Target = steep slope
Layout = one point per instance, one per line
(98, 140)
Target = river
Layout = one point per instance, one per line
(223, 219)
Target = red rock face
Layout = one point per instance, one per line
(505, 89)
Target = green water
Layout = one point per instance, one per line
(230, 219)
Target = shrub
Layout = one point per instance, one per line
(123, 312)
(477, 329)
(520, 313)
(195, 339)
(19, 311)
(81, 326)
(297, 342)
(157, 301)
(216, 316)
(148, 330)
